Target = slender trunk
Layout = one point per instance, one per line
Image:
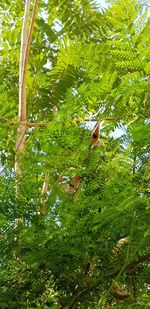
(24, 56)
(22, 90)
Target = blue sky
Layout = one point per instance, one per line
(102, 3)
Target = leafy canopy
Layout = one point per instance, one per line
(90, 249)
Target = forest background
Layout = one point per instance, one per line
(74, 194)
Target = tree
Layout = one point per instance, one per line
(82, 241)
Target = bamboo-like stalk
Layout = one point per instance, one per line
(24, 38)
(24, 56)
(22, 90)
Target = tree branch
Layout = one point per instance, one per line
(76, 296)
(36, 124)
(44, 191)
(132, 265)
(43, 124)
(103, 119)
(8, 120)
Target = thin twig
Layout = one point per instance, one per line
(103, 119)
(8, 120)
(43, 124)
(36, 124)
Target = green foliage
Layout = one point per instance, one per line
(83, 64)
